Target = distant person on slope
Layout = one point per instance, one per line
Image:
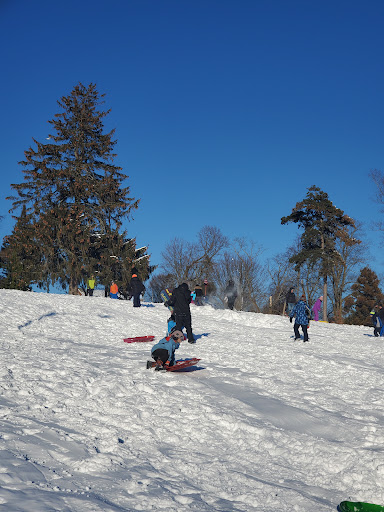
(199, 295)
(113, 290)
(302, 313)
(316, 308)
(91, 285)
(180, 300)
(380, 314)
(136, 289)
(230, 294)
(376, 321)
(290, 300)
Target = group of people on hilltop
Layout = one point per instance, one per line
(301, 312)
(134, 290)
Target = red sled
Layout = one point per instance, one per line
(139, 338)
(183, 363)
(179, 365)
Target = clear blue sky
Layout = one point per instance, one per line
(225, 111)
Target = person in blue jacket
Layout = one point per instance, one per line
(164, 351)
(171, 324)
(302, 314)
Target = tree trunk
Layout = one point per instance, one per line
(325, 292)
(73, 288)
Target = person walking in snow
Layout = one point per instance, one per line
(230, 294)
(301, 312)
(180, 300)
(290, 300)
(136, 289)
(316, 308)
(164, 351)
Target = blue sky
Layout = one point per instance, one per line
(225, 111)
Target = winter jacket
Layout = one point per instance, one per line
(290, 297)
(171, 325)
(300, 312)
(136, 286)
(180, 300)
(91, 284)
(198, 291)
(167, 344)
(317, 306)
(113, 289)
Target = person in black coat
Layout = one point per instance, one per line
(136, 289)
(230, 294)
(199, 295)
(180, 300)
(290, 300)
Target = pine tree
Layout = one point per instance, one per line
(20, 256)
(71, 188)
(323, 223)
(365, 295)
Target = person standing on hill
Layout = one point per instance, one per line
(302, 313)
(316, 308)
(290, 300)
(198, 295)
(113, 290)
(230, 294)
(91, 285)
(180, 300)
(136, 288)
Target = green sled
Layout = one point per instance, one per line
(358, 506)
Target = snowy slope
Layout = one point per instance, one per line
(264, 423)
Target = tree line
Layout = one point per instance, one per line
(70, 208)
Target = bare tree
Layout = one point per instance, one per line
(343, 273)
(282, 277)
(241, 264)
(193, 262)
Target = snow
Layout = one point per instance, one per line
(263, 423)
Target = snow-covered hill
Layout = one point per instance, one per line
(264, 423)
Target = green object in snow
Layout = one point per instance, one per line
(359, 506)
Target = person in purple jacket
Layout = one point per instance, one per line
(316, 308)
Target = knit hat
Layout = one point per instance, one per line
(134, 275)
(177, 335)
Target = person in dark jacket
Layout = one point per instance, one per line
(380, 315)
(376, 321)
(180, 300)
(302, 313)
(290, 300)
(136, 289)
(230, 294)
(198, 295)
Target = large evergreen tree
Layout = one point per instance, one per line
(323, 223)
(71, 188)
(365, 295)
